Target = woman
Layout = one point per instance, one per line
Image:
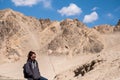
(32, 69)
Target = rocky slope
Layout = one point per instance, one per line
(17, 33)
(106, 29)
(86, 53)
(117, 28)
(20, 33)
(103, 66)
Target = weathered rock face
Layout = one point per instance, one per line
(117, 27)
(45, 23)
(19, 34)
(78, 71)
(72, 23)
(8, 29)
(75, 39)
(16, 33)
(104, 29)
(118, 24)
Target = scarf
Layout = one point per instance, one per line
(33, 64)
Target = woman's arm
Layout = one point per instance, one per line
(29, 70)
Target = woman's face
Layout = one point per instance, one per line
(33, 56)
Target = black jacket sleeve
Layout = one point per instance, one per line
(38, 68)
(29, 69)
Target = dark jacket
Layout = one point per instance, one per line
(32, 69)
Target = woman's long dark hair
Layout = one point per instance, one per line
(30, 54)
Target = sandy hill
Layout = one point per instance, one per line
(85, 53)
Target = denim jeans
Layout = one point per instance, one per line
(41, 78)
